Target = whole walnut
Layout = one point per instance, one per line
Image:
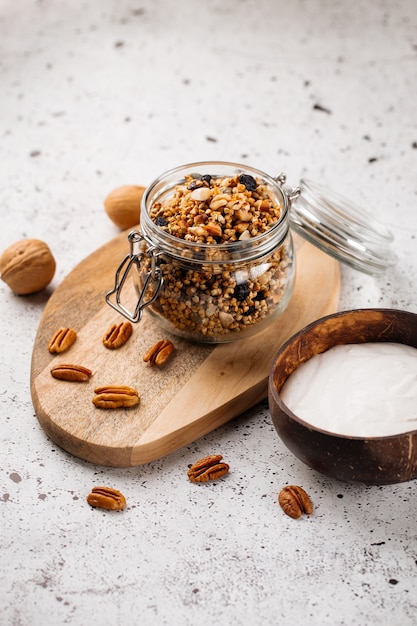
(123, 205)
(27, 266)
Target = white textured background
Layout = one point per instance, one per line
(96, 94)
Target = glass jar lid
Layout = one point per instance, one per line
(341, 229)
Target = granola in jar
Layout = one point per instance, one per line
(217, 210)
(223, 250)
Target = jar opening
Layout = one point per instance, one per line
(251, 247)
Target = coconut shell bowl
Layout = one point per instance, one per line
(371, 460)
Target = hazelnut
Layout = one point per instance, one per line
(27, 266)
(123, 205)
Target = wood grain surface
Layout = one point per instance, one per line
(199, 389)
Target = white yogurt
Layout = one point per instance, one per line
(363, 390)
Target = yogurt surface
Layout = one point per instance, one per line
(364, 390)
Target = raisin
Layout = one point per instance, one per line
(250, 310)
(161, 221)
(241, 292)
(206, 178)
(248, 181)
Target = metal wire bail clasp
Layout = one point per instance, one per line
(151, 286)
(293, 193)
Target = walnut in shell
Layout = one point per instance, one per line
(27, 266)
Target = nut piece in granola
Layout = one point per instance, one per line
(115, 397)
(61, 340)
(106, 498)
(294, 501)
(159, 353)
(117, 335)
(209, 468)
(72, 373)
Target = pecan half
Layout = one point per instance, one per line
(61, 340)
(117, 335)
(159, 353)
(72, 373)
(295, 501)
(209, 468)
(106, 498)
(115, 397)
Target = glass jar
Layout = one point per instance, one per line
(213, 260)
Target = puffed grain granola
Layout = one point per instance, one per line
(217, 210)
(210, 299)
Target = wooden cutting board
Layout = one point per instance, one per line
(199, 389)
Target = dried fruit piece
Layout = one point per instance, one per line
(27, 266)
(295, 501)
(106, 498)
(249, 182)
(159, 353)
(123, 205)
(62, 339)
(117, 335)
(161, 221)
(208, 468)
(72, 373)
(241, 291)
(115, 397)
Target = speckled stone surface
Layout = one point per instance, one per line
(100, 94)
